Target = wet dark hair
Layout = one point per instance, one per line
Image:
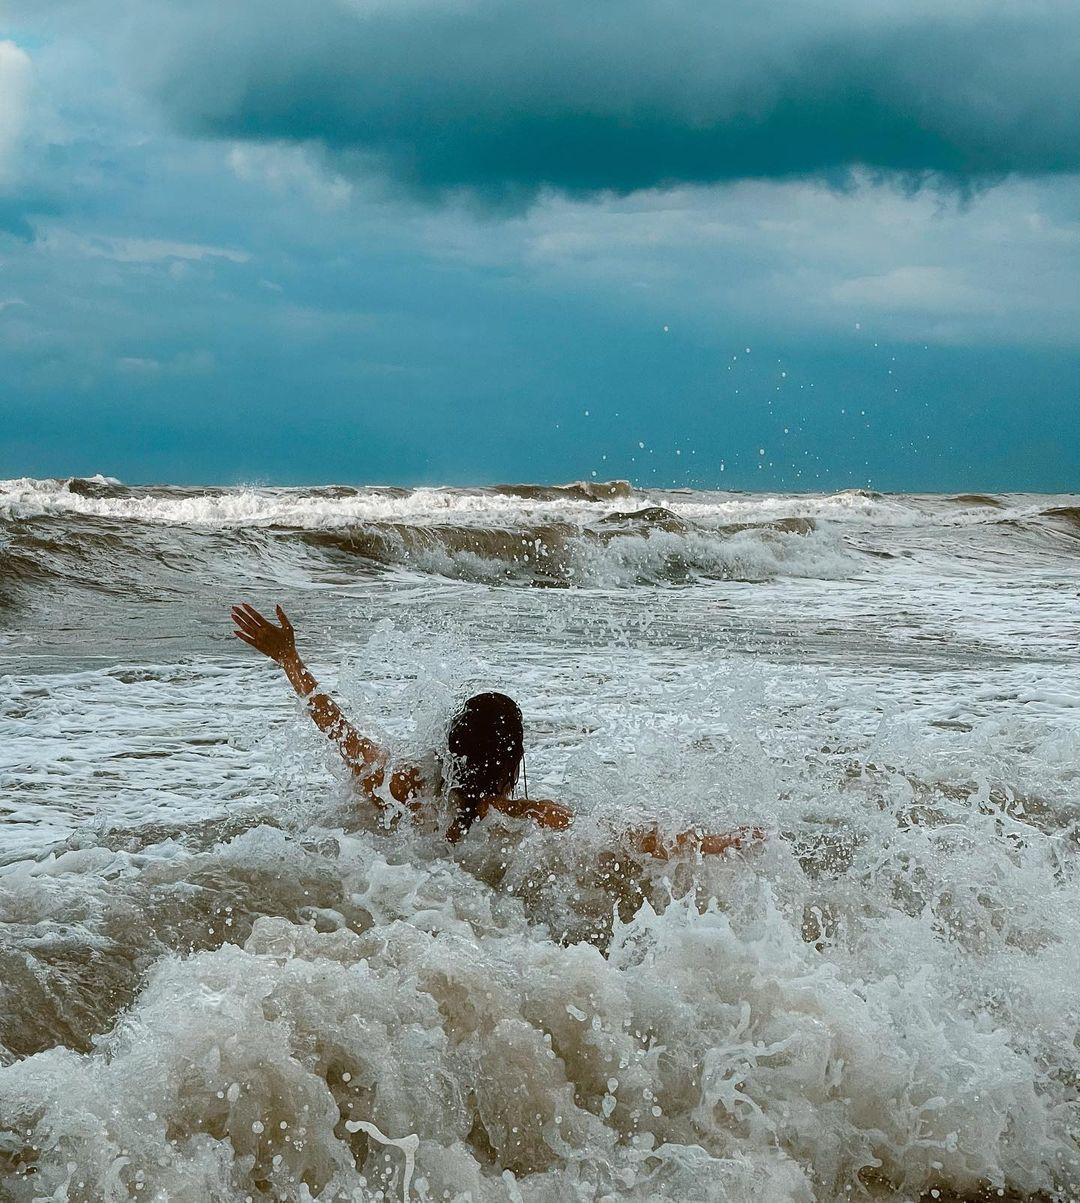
(486, 745)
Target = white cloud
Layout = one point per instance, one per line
(285, 168)
(915, 289)
(186, 363)
(15, 75)
(799, 256)
(137, 250)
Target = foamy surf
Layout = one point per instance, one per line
(220, 980)
(299, 993)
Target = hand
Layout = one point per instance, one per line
(554, 815)
(277, 642)
(712, 845)
(708, 844)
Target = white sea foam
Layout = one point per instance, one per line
(329, 509)
(709, 1050)
(302, 509)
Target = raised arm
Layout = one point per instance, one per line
(365, 757)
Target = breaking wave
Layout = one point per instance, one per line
(101, 535)
(97, 533)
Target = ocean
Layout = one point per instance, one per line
(222, 977)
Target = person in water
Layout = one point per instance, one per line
(485, 742)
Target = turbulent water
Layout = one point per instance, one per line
(222, 979)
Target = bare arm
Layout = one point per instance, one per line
(557, 817)
(365, 757)
(545, 814)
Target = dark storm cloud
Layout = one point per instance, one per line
(503, 97)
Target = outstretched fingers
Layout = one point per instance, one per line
(253, 615)
(262, 634)
(252, 618)
(250, 624)
(241, 620)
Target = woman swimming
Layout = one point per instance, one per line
(485, 742)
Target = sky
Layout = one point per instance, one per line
(750, 244)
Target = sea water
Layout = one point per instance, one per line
(222, 977)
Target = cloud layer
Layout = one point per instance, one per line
(14, 89)
(260, 306)
(504, 98)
